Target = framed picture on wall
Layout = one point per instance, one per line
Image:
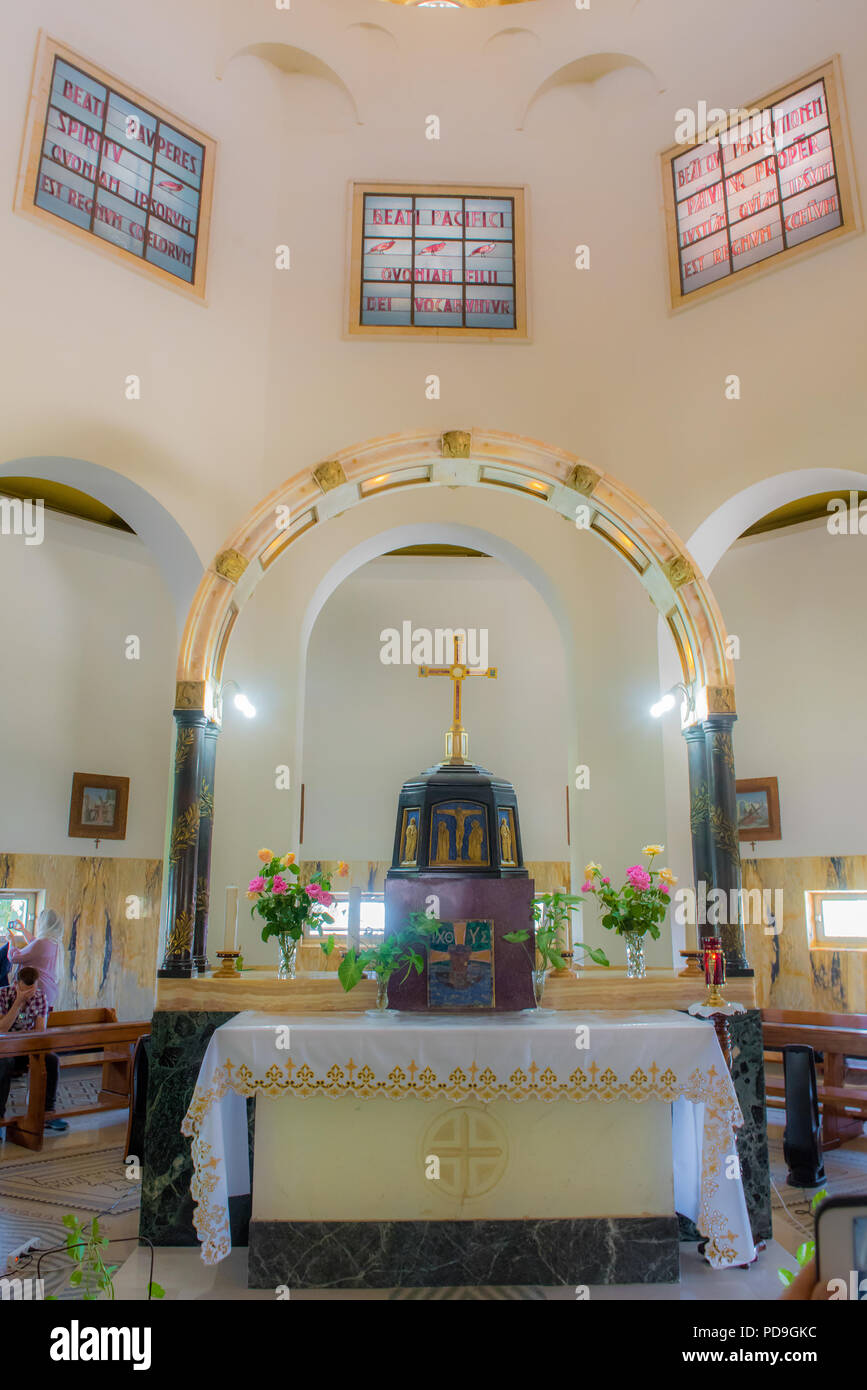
(97, 809)
(758, 801)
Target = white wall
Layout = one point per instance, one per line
(795, 600)
(70, 701)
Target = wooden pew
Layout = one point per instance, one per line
(84, 1030)
(842, 1099)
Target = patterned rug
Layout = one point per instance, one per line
(94, 1181)
(78, 1086)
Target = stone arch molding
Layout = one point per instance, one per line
(460, 458)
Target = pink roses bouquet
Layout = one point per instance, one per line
(285, 905)
(641, 904)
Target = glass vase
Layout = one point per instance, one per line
(635, 969)
(287, 947)
(382, 1010)
(539, 978)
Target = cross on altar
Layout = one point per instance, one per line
(457, 739)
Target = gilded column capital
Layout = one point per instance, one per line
(720, 699)
(190, 695)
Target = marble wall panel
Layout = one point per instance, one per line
(110, 958)
(788, 974)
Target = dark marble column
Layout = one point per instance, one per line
(203, 859)
(181, 885)
(725, 846)
(699, 817)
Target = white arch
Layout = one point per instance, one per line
(709, 542)
(168, 543)
(436, 533)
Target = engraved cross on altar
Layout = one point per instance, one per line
(457, 739)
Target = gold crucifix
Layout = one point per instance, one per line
(457, 739)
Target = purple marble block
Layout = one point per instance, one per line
(504, 901)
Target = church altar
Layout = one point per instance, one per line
(524, 1194)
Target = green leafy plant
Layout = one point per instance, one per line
(551, 912)
(641, 904)
(807, 1249)
(85, 1248)
(389, 955)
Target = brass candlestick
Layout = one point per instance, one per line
(227, 970)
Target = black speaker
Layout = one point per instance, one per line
(135, 1139)
(802, 1137)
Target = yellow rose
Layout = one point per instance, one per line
(668, 877)
(252, 897)
(653, 849)
(287, 860)
(590, 869)
(342, 869)
(265, 855)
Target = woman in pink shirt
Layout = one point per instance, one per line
(42, 950)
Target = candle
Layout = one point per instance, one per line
(230, 936)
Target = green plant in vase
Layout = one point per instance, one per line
(391, 954)
(635, 910)
(287, 907)
(551, 913)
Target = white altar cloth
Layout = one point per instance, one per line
(665, 1057)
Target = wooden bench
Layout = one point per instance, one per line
(838, 1037)
(71, 1032)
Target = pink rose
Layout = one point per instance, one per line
(663, 888)
(606, 880)
(588, 887)
(326, 899)
(279, 885)
(638, 877)
(256, 885)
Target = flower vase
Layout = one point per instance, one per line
(635, 969)
(539, 978)
(382, 1010)
(288, 948)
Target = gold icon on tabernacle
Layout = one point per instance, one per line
(505, 841)
(475, 843)
(470, 826)
(410, 840)
(443, 843)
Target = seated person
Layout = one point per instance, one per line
(24, 1009)
(42, 949)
